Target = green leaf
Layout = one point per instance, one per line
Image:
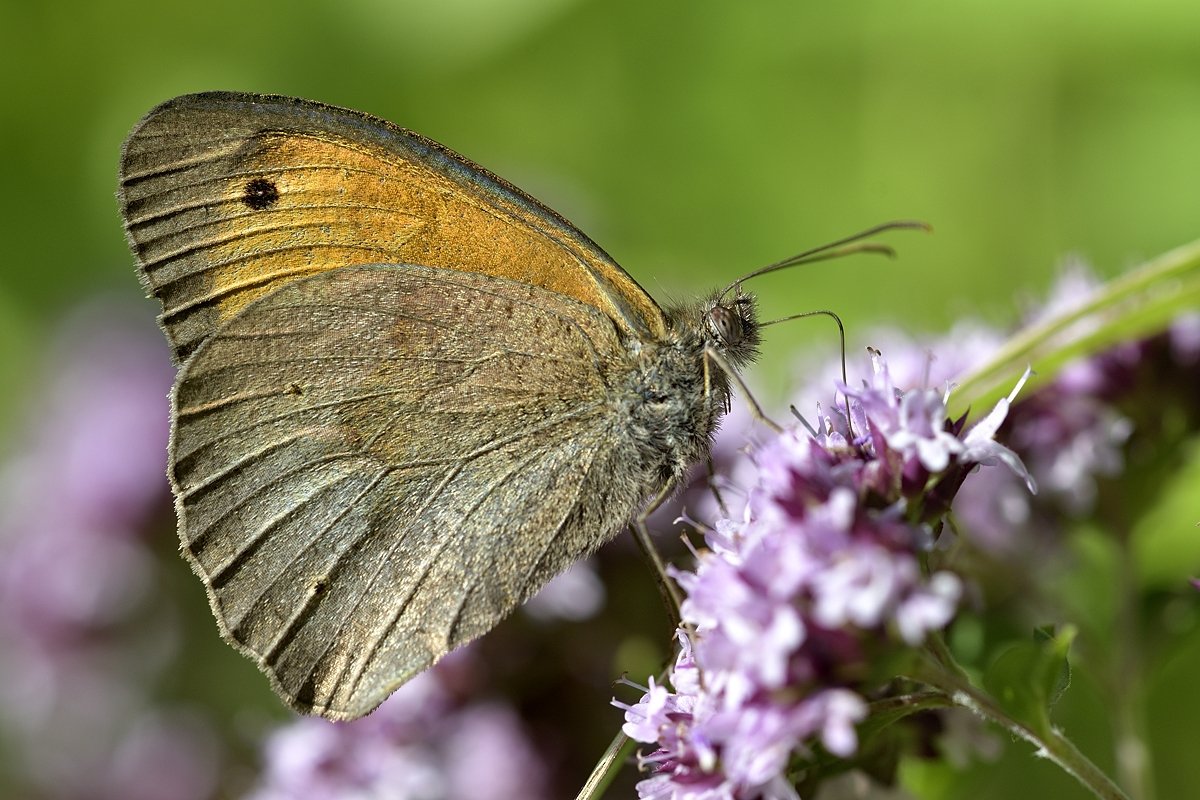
(1028, 678)
(1133, 306)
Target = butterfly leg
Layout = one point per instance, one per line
(641, 534)
(755, 409)
(712, 485)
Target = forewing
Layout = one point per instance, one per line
(374, 465)
(229, 196)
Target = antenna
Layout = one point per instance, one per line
(841, 339)
(849, 245)
(838, 249)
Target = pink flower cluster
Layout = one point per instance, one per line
(789, 604)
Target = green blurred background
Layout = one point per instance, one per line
(694, 141)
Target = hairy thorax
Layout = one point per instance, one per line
(671, 395)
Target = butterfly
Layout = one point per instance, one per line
(409, 393)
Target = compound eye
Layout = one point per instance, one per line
(726, 324)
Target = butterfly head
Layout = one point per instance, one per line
(730, 325)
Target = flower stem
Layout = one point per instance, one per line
(1050, 743)
(607, 767)
(1128, 669)
(1127, 308)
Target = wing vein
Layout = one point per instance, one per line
(287, 631)
(218, 577)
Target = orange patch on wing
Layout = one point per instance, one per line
(336, 205)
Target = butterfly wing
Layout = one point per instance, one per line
(228, 196)
(375, 464)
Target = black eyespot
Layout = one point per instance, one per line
(260, 193)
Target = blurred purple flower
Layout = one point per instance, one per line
(1184, 336)
(1073, 432)
(821, 571)
(80, 641)
(575, 595)
(423, 743)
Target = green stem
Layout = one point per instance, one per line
(607, 767)
(1132, 755)
(1050, 743)
(1134, 305)
(619, 749)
